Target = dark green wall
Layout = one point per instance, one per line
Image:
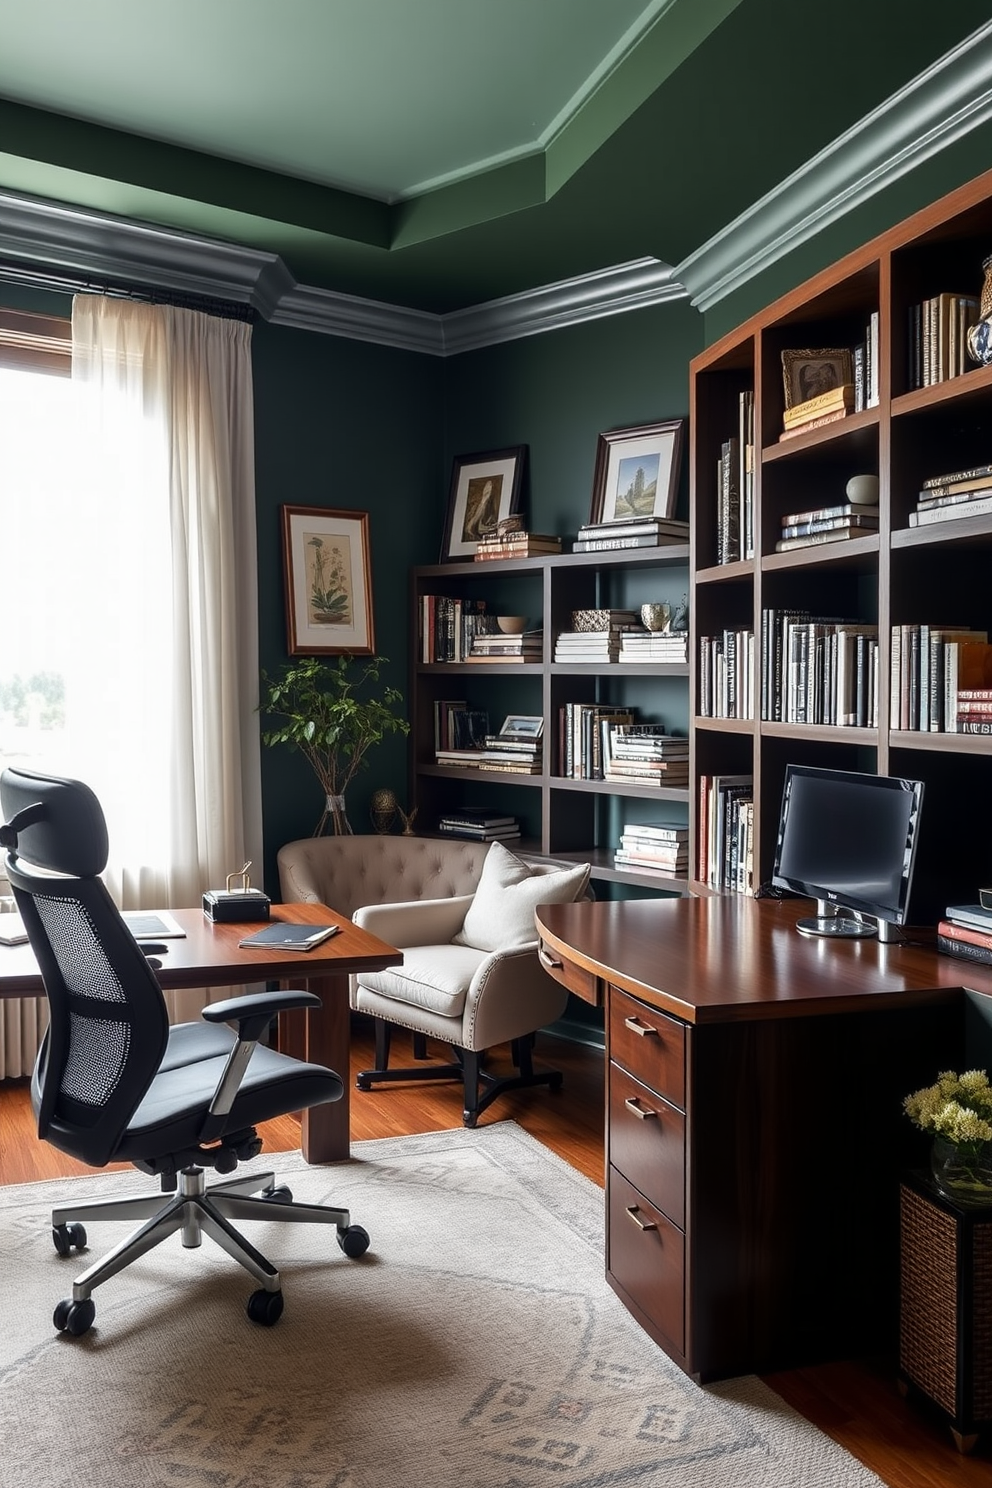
(348, 425)
(558, 391)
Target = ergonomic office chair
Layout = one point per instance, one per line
(113, 1082)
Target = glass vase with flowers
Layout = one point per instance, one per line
(957, 1112)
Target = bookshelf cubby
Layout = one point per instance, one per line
(901, 575)
(560, 816)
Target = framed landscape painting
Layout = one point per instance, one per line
(637, 472)
(328, 576)
(484, 490)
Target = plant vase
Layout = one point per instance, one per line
(335, 813)
(963, 1170)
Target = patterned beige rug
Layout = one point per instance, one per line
(477, 1345)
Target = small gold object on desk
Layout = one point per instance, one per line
(237, 903)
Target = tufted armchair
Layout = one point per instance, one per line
(471, 976)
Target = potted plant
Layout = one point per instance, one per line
(958, 1113)
(333, 713)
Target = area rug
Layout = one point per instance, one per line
(476, 1345)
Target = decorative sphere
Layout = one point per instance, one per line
(862, 490)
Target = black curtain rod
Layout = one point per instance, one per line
(33, 278)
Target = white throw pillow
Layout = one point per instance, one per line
(501, 915)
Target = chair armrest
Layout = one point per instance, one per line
(510, 996)
(254, 1013)
(416, 922)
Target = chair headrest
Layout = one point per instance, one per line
(53, 823)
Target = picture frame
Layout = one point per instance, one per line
(328, 580)
(485, 489)
(809, 371)
(522, 726)
(637, 472)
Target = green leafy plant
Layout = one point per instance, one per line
(333, 712)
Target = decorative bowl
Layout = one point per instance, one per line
(656, 616)
(511, 624)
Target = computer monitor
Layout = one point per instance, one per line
(848, 841)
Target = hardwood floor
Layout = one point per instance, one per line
(855, 1401)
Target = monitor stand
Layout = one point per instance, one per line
(834, 920)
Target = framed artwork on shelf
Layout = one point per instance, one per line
(637, 472)
(522, 726)
(809, 372)
(328, 577)
(485, 490)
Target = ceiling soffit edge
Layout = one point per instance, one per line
(928, 115)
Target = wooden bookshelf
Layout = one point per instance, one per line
(901, 575)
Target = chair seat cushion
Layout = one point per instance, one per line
(501, 915)
(433, 977)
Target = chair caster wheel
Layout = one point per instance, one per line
(470, 1118)
(354, 1241)
(75, 1318)
(362, 1082)
(279, 1195)
(265, 1307)
(67, 1236)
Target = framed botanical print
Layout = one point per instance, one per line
(328, 575)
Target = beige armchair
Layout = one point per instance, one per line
(463, 915)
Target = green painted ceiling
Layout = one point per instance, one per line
(440, 153)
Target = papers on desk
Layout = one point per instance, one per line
(291, 937)
(12, 930)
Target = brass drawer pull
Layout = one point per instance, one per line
(641, 1224)
(643, 1030)
(636, 1109)
(548, 959)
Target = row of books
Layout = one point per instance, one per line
(960, 493)
(940, 679)
(630, 532)
(463, 738)
(823, 524)
(726, 832)
(479, 824)
(516, 544)
(735, 488)
(818, 670)
(726, 674)
(660, 848)
(604, 741)
(938, 338)
(966, 931)
(496, 646)
(448, 626)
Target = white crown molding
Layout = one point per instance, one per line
(939, 107)
(631, 286)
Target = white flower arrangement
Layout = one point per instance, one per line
(958, 1108)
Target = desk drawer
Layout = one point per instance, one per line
(575, 978)
(649, 1044)
(647, 1143)
(647, 1258)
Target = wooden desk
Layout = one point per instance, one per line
(210, 956)
(755, 1134)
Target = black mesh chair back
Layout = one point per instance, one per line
(109, 1024)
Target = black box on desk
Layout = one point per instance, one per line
(236, 906)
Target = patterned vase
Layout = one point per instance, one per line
(980, 334)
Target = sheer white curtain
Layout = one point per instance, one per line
(153, 568)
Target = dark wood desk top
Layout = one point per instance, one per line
(210, 956)
(733, 959)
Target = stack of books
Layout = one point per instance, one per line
(479, 824)
(630, 532)
(507, 648)
(654, 647)
(654, 847)
(826, 408)
(643, 754)
(498, 759)
(938, 338)
(960, 493)
(822, 524)
(516, 545)
(966, 930)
